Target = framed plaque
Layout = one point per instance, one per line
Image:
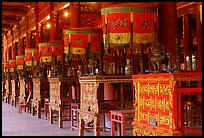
(152, 121)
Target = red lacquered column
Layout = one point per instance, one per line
(167, 12)
(75, 14)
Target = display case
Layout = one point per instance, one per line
(160, 103)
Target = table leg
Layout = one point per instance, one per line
(112, 127)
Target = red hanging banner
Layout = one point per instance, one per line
(79, 40)
(144, 26)
(96, 41)
(36, 56)
(119, 28)
(45, 50)
(28, 56)
(58, 50)
(20, 60)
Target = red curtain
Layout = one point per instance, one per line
(58, 50)
(45, 50)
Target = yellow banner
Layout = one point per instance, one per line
(20, 67)
(78, 50)
(66, 50)
(46, 59)
(119, 38)
(11, 70)
(143, 38)
(28, 63)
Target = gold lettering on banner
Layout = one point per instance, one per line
(118, 22)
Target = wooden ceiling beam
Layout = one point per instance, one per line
(20, 13)
(9, 21)
(32, 4)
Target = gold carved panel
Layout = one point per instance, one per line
(36, 91)
(89, 100)
(13, 88)
(149, 132)
(153, 89)
(55, 92)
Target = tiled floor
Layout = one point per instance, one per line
(15, 124)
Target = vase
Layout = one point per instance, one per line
(128, 68)
(79, 71)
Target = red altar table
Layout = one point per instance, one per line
(92, 102)
(120, 117)
(8, 91)
(41, 90)
(159, 103)
(26, 87)
(15, 92)
(61, 98)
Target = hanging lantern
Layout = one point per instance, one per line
(20, 61)
(49, 49)
(76, 40)
(30, 59)
(129, 23)
(12, 65)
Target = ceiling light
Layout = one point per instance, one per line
(48, 25)
(66, 14)
(48, 17)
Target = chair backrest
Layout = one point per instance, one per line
(28, 99)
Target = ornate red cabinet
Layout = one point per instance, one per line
(159, 107)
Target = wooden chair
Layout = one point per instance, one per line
(46, 107)
(25, 105)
